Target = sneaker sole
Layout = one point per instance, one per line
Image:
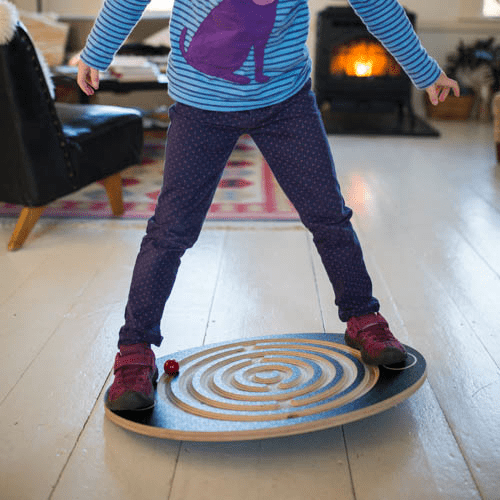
(390, 356)
(131, 400)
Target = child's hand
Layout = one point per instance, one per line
(440, 90)
(88, 78)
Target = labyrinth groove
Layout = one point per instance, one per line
(271, 386)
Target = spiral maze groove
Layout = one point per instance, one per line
(269, 387)
(270, 380)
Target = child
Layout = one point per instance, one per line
(242, 66)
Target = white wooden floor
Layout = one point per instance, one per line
(428, 216)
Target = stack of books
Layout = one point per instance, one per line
(133, 69)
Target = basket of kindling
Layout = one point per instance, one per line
(476, 68)
(454, 108)
(496, 122)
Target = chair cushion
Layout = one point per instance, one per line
(103, 139)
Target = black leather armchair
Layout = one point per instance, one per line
(50, 149)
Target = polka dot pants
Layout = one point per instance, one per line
(292, 139)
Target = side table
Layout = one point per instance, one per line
(65, 76)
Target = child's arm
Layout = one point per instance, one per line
(114, 23)
(88, 78)
(440, 90)
(388, 22)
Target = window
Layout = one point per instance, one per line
(491, 8)
(160, 6)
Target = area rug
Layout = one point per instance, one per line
(247, 191)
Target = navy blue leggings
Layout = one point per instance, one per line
(292, 139)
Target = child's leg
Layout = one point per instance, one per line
(196, 153)
(295, 145)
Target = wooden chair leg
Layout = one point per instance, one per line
(113, 185)
(27, 220)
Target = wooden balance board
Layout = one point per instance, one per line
(270, 387)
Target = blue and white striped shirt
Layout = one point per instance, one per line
(235, 55)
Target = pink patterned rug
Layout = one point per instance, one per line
(247, 191)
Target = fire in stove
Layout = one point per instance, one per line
(359, 86)
(363, 58)
(353, 69)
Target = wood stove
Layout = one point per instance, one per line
(356, 75)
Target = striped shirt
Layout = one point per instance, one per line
(235, 55)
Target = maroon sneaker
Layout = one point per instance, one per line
(371, 335)
(135, 376)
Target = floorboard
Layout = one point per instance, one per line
(424, 257)
(413, 438)
(427, 214)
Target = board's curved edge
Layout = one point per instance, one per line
(267, 433)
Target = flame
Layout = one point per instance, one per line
(363, 68)
(363, 58)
